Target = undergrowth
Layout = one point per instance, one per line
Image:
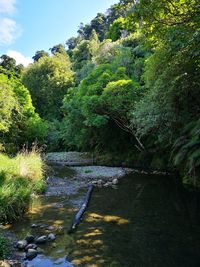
(19, 178)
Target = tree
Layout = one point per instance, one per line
(48, 81)
(39, 54)
(7, 103)
(8, 66)
(81, 54)
(58, 49)
(116, 29)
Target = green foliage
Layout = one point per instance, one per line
(58, 49)
(7, 103)
(8, 67)
(81, 54)
(19, 122)
(19, 177)
(48, 81)
(116, 29)
(4, 248)
(186, 152)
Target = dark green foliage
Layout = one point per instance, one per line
(58, 49)
(8, 67)
(4, 248)
(186, 152)
(39, 54)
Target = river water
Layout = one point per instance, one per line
(142, 222)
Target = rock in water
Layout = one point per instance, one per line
(31, 246)
(50, 228)
(31, 254)
(51, 237)
(41, 239)
(21, 244)
(115, 181)
(30, 239)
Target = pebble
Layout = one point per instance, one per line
(31, 246)
(51, 237)
(50, 228)
(115, 181)
(41, 239)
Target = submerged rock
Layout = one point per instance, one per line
(31, 254)
(41, 239)
(21, 244)
(31, 246)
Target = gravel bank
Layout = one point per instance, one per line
(100, 172)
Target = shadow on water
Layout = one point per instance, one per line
(141, 223)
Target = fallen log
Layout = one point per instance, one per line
(79, 214)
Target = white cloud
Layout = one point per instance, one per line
(20, 58)
(9, 31)
(7, 6)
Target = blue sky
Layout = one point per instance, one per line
(30, 25)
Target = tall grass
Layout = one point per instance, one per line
(19, 177)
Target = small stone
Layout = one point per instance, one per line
(41, 239)
(50, 228)
(115, 181)
(31, 254)
(42, 226)
(51, 237)
(21, 244)
(31, 246)
(99, 182)
(34, 225)
(30, 239)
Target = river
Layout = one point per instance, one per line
(141, 222)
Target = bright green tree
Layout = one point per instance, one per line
(48, 81)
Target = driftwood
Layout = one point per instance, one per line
(79, 214)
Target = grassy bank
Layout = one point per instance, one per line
(19, 177)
